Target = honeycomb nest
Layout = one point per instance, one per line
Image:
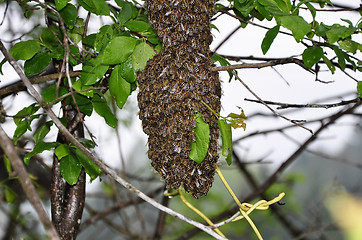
(172, 88)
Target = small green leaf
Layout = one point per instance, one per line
(20, 130)
(41, 132)
(84, 104)
(349, 45)
(338, 31)
(89, 166)
(359, 88)
(125, 13)
(142, 53)
(269, 38)
(98, 7)
(49, 93)
(223, 62)
(226, 137)
(86, 142)
(69, 15)
(297, 25)
(137, 26)
(312, 56)
(25, 112)
(340, 56)
(61, 151)
(10, 195)
(93, 71)
(25, 50)
(200, 147)
(119, 87)
(7, 164)
(70, 169)
(127, 70)
(39, 148)
(89, 40)
(329, 64)
(60, 4)
(37, 63)
(101, 107)
(118, 50)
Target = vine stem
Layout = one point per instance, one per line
(198, 212)
(110, 172)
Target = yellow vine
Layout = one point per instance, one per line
(247, 208)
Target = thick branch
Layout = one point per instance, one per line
(29, 189)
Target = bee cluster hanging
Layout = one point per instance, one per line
(172, 88)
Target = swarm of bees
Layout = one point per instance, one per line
(173, 87)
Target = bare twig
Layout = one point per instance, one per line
(28, 187)
(270, 63)
(296, 122)
(101, 165)
(290, 105)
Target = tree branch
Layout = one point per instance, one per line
(29, 189)
(289, 105)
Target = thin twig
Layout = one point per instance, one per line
(290, 105)
(296, 122)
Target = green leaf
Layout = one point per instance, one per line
(127, 70)
(200, 147)
(60, 4)
(89, 166)
(244, 6)
(41, 132)
(312, 56)
(337, 32)
(98, 7)
(269, 38)
(84, 104)
(137, 26)
(227, 143)
(86, 142)
(103, 37)
(101, 107)
(89, 40)
(92, 73)
(142, 53)
(125, 13)
(20, 130)
(69, 15)
(223, 62)
(7, 164)
(119, 87)
(37, 63)
(10, 195)
(329, 64)
(118, 50)
(359, 88)
(350, 45)
(25, 50)
(62, 151)
(340, 56)
(70, 169)
(49, 93)
(274, 8)
(25, 112)
(39, 148)
(296, 24)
